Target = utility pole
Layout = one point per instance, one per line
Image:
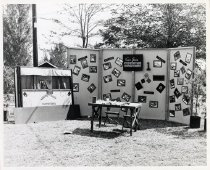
(34, 25)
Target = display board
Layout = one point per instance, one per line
(85, 69)
(181, 68)
(150, 86)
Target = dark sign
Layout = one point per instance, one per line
(133, 62)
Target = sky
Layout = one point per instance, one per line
(44, 26)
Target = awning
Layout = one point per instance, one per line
(44, 71)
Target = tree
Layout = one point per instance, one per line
(16, 41)
(57, 55)
(157, 26)
(81, 21)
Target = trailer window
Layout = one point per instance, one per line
(27, 82)
(59, 82)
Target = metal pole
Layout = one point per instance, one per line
(34, 26)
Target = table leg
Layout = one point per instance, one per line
(92, 118)
(131, 122)
(100, 112)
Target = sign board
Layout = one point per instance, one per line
(132, 62)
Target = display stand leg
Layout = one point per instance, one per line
(100, 111)
(92, 118)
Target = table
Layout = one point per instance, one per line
(134, 111)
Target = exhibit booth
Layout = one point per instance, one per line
(160, 79)
(42, 93)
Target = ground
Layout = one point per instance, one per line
(70, 143)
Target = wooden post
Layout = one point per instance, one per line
(34, 26)
(100, 72)
(133, 81)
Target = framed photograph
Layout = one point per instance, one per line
(107, 78)
(178, 107)
(138, 86)
(172, 99)
(119, 62)
(92, 69)
(172, 113)
(121, 82)
(116, 72)
(188, 58)
(172, 83)
(107, 65)
(92, 58)
(176, 73)
(160, 88)
(182, 69)
(126, 97)
(186, 112)
(142, 99)
(173, 65)
(107, 96)
(84, 63)
(91, 88)
(184, 89)
(85, 77)
(188, 74)
(177, 93)
(180, 81)
(75, 87)
(186, 99)
(76, 70)
(177, 55)
(153, 104)
(72, 59)
(157, 63)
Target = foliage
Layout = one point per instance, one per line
(16, 41)
(57, 55)
(80, 21)
(157, 26)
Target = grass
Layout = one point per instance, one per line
(70, 143)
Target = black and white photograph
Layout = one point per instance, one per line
(126, 97)
(76, 70)
(177, 55)
(172, 113)
(116, 72)
(157, 63)
(142, 99)
(70, 68)
(92, 69)
(173, 65)
(184, 89)
(107, 65)
(119, 61)
(84, 63)
(75, 87)
(153, 104)
(180, 81)
(121, 82)
(172, 83)
(91, 88)
(188, 58)
(172, 99)
(188, 74)
(107, 96)
(85, 77)
(178, 107)
(176, 73)
(73, 59)
(107, 78)
(92, 58)
(182, 69)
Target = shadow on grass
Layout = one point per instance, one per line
(183, 132)
(98, 134)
